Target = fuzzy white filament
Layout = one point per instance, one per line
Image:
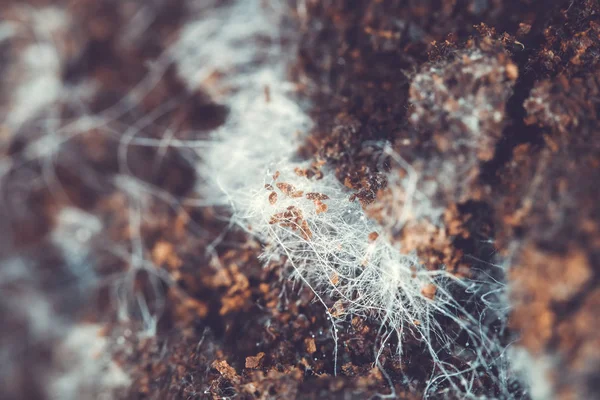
(251, 165)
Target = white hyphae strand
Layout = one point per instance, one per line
(251, 165)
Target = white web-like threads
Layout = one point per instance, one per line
(251, 166)
(234, 52)
(31, 106)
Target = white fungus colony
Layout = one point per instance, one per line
(250, 165)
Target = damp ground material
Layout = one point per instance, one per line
(301, 199)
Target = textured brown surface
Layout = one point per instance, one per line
(501, 128)
(523, 178)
